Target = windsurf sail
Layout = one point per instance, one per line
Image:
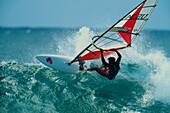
(120, 35)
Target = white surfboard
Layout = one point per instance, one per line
(59, 62)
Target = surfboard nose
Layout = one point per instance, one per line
(45, 59)
(41, 58)
(38, 57)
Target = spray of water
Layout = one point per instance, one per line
(160, 77)
(75, 43)
(156, 67)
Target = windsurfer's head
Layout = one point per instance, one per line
(111, 59)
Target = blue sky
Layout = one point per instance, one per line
(76, 13)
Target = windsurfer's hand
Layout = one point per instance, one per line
(129, 45)
(101, 50)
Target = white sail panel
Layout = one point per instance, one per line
(144, 15)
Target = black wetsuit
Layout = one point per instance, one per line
(113, 68)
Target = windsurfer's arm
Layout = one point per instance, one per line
(102, 58)
(119, 57)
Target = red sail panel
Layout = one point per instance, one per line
(96, 54)
(130, 24)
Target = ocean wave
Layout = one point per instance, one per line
(141, 85)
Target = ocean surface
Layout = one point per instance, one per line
(27, 86)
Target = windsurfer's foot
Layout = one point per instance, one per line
(93, 65)
(91, 69)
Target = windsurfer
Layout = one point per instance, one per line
(111, 69)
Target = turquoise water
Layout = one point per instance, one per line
(142, 84)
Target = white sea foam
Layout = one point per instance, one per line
(161, 76)
(158, 76)
(75, 43)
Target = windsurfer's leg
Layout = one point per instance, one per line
(81, 65)
(91, 69)
(100, 72)
(81, 68)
